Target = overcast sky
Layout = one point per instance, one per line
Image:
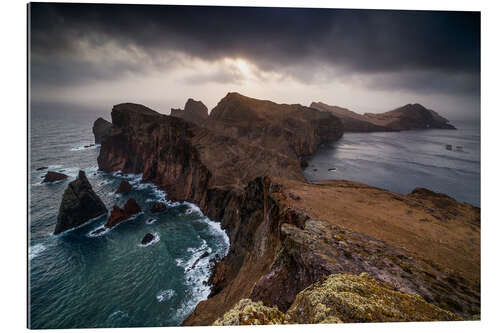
(95, 56)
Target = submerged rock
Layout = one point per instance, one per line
(124, 187)
(79, 204)
(148, 238)
(158, 207)
(119, 215)
(52, 176)
(100, 129)
(41, 168)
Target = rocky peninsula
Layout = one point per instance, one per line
(408, 117)
(243, 168)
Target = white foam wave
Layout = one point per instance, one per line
(35, 250)
(106, 229)
(215, 227)
(85, 147)
(151, 221)
(156, 239)
(81, 225)
(165, 295)
(118, 314)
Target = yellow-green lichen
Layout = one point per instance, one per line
(247, 312)
(341, 298)
(360, 298)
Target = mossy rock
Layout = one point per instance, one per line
(341, 298)
(247, 312)
(360, 298)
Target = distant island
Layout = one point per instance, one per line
(408, 117)
(241, 164)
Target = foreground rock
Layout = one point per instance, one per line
(410, 116)
(79, 204)
(158, 207)
(194, 111)
(119, 215)
(100, 129)
(247, 312)
(341, 298)
(124, 187)
(52, 176)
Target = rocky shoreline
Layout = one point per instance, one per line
(242, 167)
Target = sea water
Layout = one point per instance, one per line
(402, 161)
(76, 280)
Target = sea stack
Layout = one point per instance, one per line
(194, 111)
(100, 129)
(79, 204)
(119, 215)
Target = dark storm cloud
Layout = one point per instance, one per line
(443, 45)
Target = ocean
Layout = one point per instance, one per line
(402, 161)
(79, 281)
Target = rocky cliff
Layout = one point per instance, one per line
(79, 204)
(290, 129)
(243, 170)
(408, 117)
(100, 129)
(194, 111)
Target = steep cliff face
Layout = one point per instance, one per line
(194, 111)
(184, 159)
(294, 129)
(410, 116)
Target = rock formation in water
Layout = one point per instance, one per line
(148, 238)
(52, 176)
(124, 187)
(341, 298)
(100, 129)
(194, 111)
(158, 207)
(79, 204)
(243, 169)
(119, 215)
(408, 117)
